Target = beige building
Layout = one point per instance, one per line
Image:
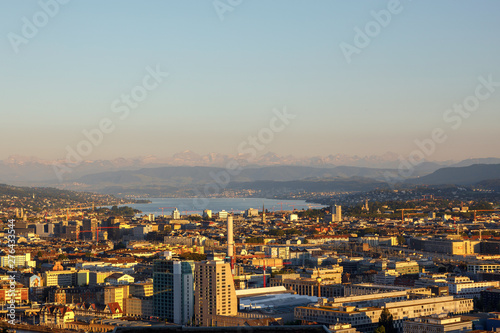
(309, 286)
(119, 278)
(98, 277)
(404, 267)
(366, 318)
(448, 245)
(437, 324)
(483, 268)
(116, 294)
(342, 328)
(333, 274)
(142, 289)
(464, 287)
(268, 262)
(215, 293)
(58, 278)
(139, 306)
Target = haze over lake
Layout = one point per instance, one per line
(236, 205)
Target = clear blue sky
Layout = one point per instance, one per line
(227, 76)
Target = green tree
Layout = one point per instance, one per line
(258, 240)
(368, 231)
(387, 321)
(478, 303)
(481, 205)
(276, 232)
(293, 232)
(380, 329)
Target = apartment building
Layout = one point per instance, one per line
(437, 324)
(215, 293)
(365, 319)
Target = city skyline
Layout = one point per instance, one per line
(252, 166)
(357, 79)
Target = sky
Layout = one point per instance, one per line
(354, 77)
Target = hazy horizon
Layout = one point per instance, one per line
(389, 156)
(67, 67)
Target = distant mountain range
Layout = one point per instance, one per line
(491, 184)
(467, 175)
(21, 169)
(320, 185)
(183, 176)
(174, 180)
(187, 170)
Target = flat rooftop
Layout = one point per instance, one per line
(243, 329)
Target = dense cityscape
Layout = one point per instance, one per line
(405, 265)
(250, 166)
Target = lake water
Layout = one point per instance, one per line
(235, 205)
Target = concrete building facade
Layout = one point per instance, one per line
(215, 294)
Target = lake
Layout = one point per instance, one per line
(235, 205)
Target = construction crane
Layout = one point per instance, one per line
(403, 213)
(162, 208)
(286, 204)
(410, 214)
(97, 231)
(484, 210)
(264, 276)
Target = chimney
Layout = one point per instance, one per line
(230, 242)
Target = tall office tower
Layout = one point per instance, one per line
(173, 290)
(263, 214)
(366, 207)
(113, 224)
(176, 215)
(89, 229)
(336, 213)
(214, 294)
